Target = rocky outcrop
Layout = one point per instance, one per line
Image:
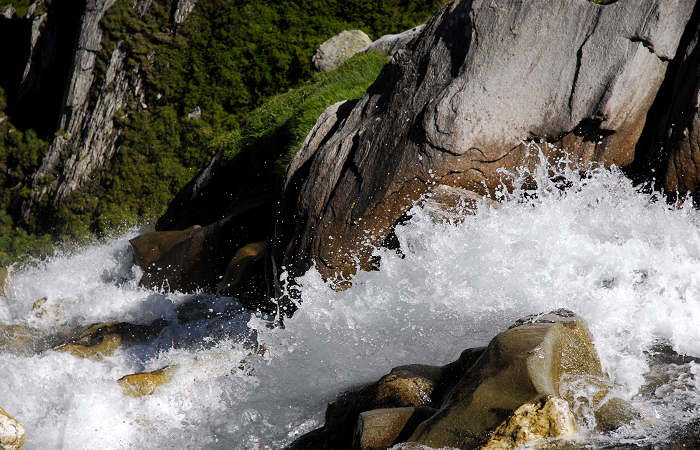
(338, 49)
(455, 106)
(514, 391)
(11, 432)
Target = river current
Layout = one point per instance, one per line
(622, 259)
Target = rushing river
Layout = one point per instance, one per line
(626, 262)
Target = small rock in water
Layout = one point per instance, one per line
(615, 413)
(380, 428)
(534, 422)
(145, 383)
(11, 432)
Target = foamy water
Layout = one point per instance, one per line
(627, 263)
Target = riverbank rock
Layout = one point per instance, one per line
(11, 432)
(145, 383)
(455, 107)
(338, 49)
(533, 424)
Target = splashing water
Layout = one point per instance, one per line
(625, 261)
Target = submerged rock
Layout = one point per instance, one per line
(11, 432)
(615, 413)
(145, 383)
(22, 340)
(532, 423)
(338, 49)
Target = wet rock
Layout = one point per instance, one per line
(533, 423)
(236, 269)
(380, 428)
(615, 413)
(445, 111)
(389, 44)
(414, 385)
(145, 383)
(100, 340)
(4, 280)
(524, 364)
(338, 49)
(11, 432)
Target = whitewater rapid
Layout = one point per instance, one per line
(624, 260)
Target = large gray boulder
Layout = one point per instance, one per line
(338, 49)
(389, 44)
(455, 105)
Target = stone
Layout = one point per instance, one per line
(448, 203)
(145, 383)
(237, 267)
(102, 339)
(524, 364)
(183, 9)
(338, 49)
(4, 280)
(446, 111)
(533, 423)
(389, 44)
(380, 428)
(615, 413)
(11, 432)
(407, 386)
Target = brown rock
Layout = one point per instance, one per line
(532, 423)
(11, 432)
(380, 428)
(21, 340)
(107, 345)
(521, 365)
(140, 384)
(406, 386)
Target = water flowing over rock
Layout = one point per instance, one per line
(514, 386)
(454, 108)
(338, 49)
(11, 432)
(145, 383)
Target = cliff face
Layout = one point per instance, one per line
(86, 134)
(455, 107)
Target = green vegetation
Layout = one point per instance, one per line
(226, 59)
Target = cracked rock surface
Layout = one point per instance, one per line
(456, 105)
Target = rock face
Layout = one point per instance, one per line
(670, 145)
(11, 432)
(338, 49)
(454, 106)
(86, 133)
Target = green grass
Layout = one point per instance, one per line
(284, 120)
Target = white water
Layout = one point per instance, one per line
(628, 264)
